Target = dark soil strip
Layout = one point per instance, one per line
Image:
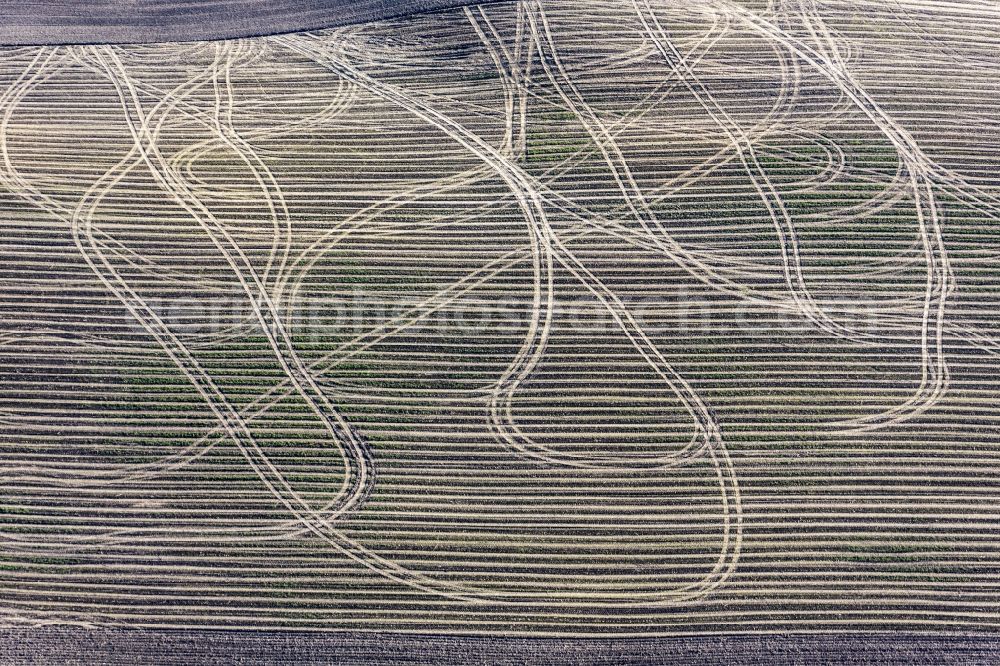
(142, 21)
(55, 645)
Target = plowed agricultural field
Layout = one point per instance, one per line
(533, 318)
